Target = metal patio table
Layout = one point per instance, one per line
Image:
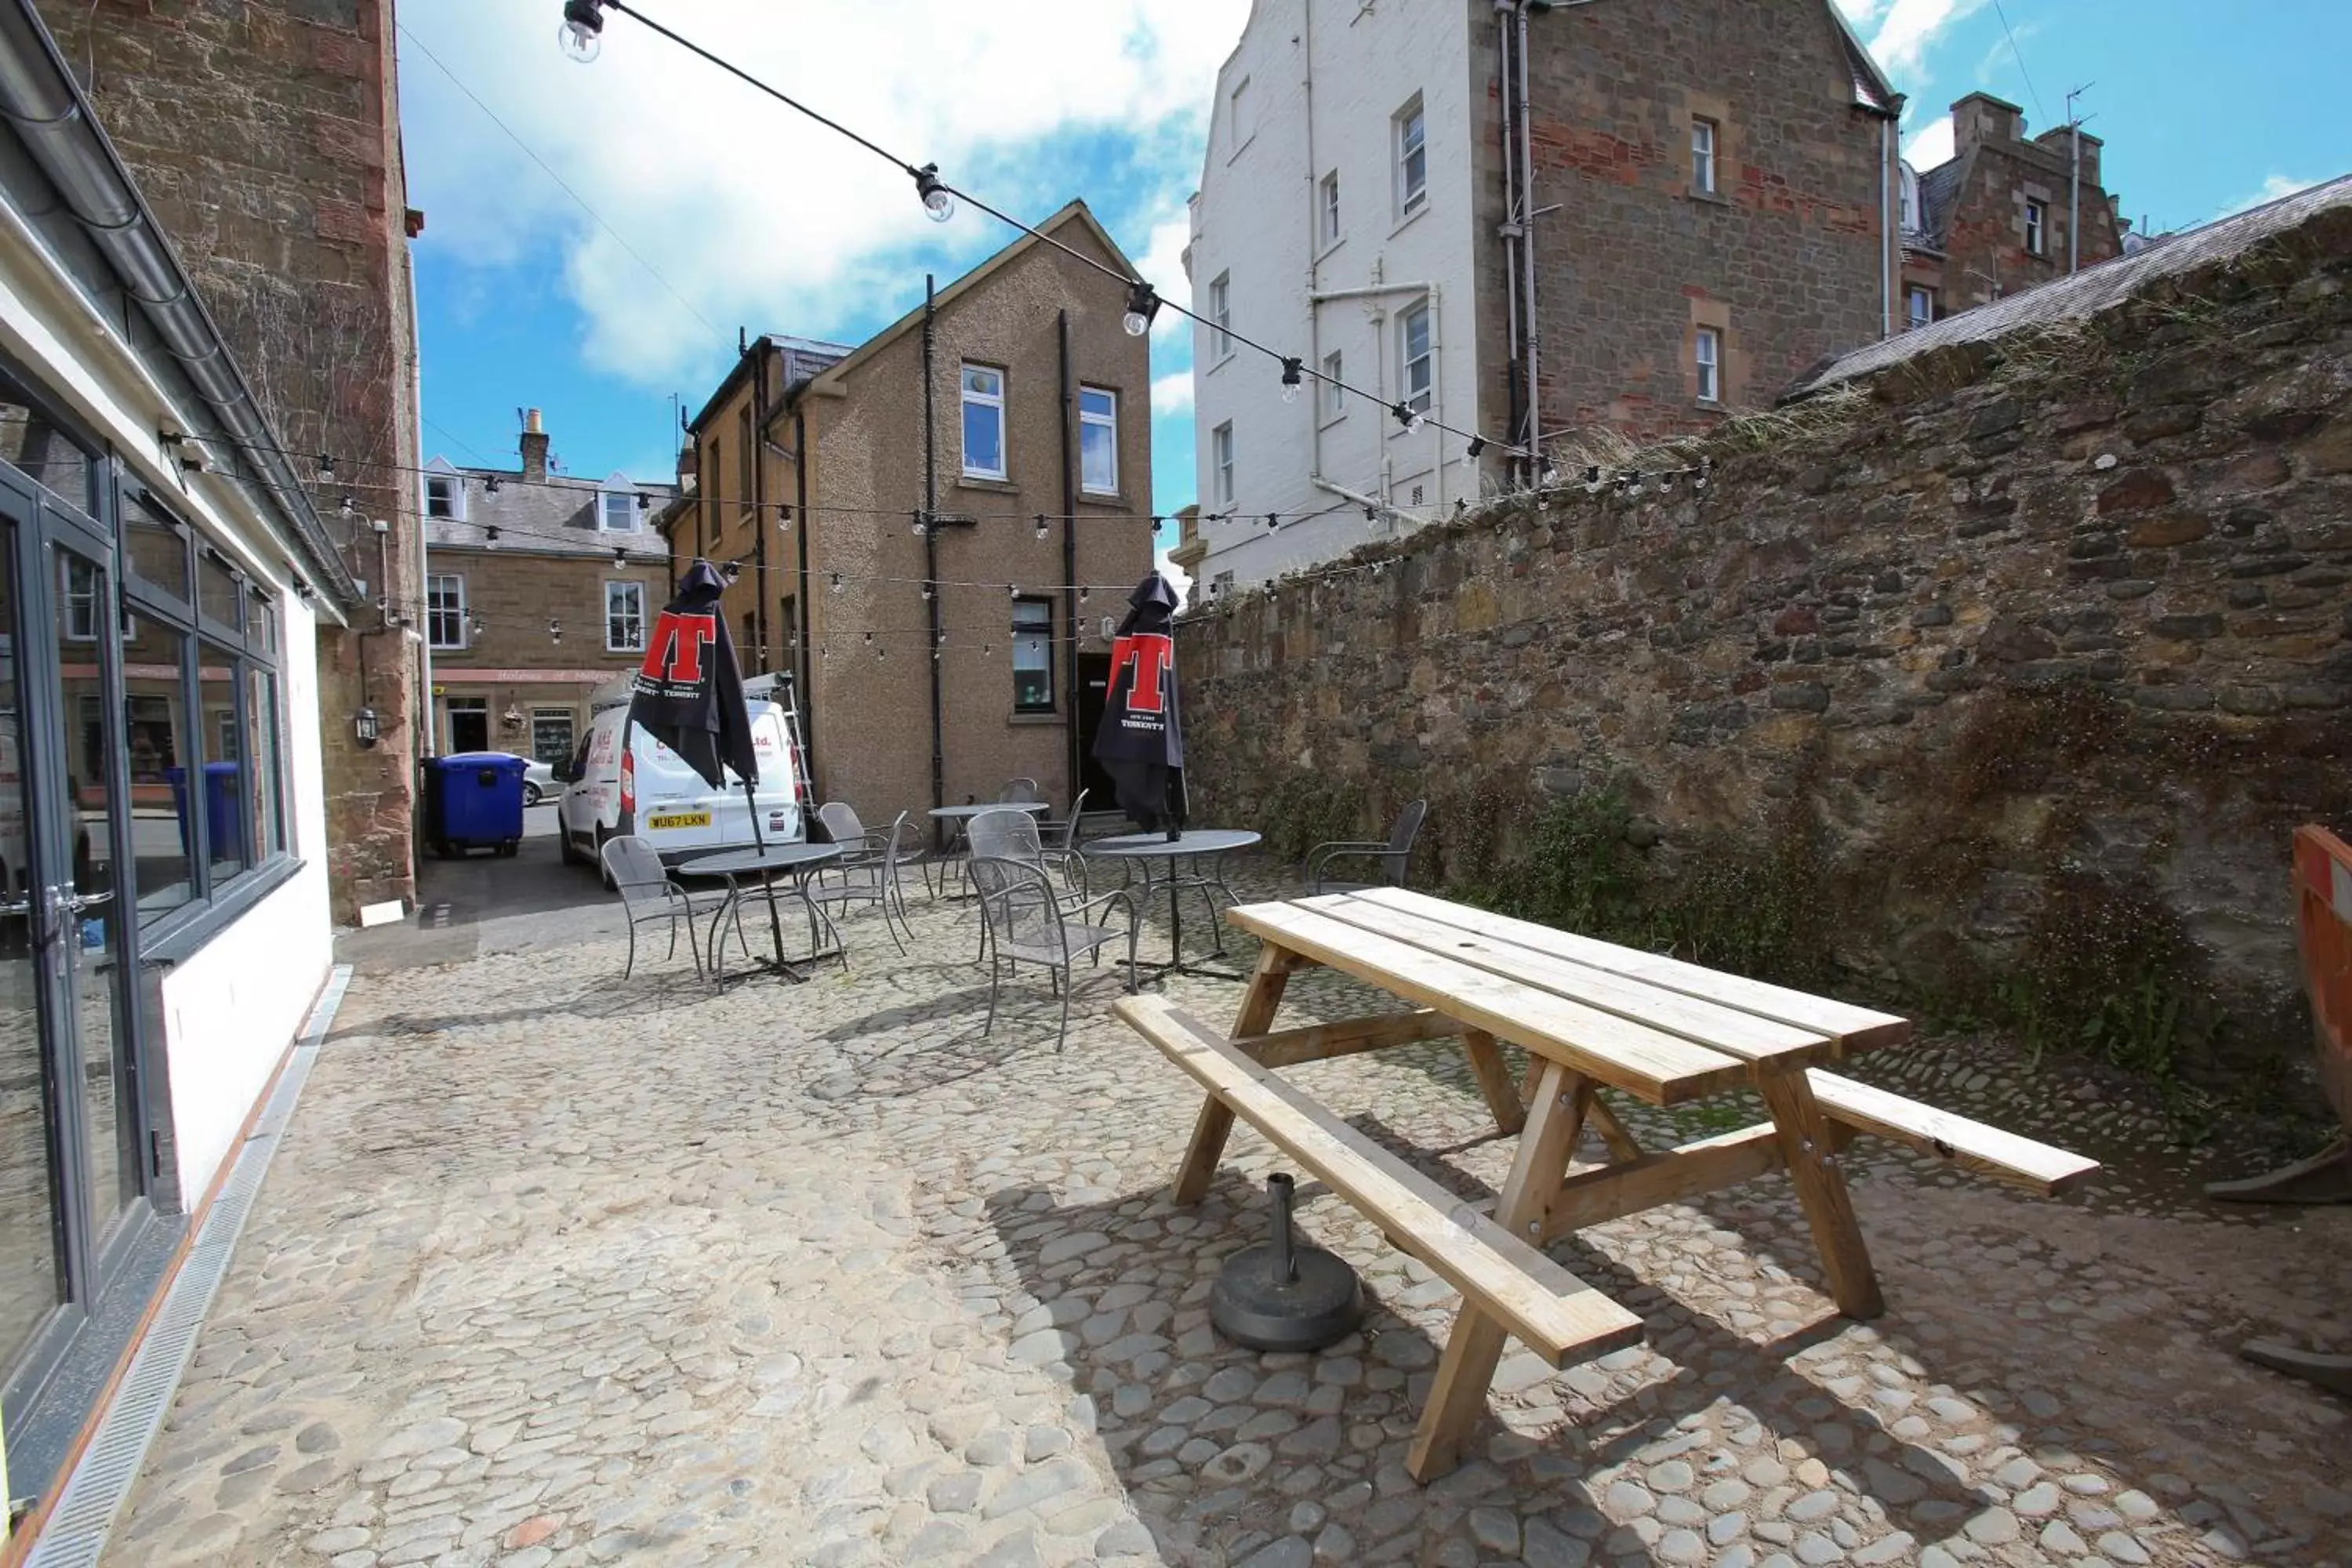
(1193, 859)
(758, 867)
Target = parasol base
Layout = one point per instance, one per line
(2324, 1178)
(1282, 1295)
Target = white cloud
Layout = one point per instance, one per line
(2002, 55)
(1861, 13)
(2272, 189)
(1178, 578)
(755, 215)
(1171, 393)
(1930, 144)
(1162, 264)
(1910, 27)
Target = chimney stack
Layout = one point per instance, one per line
(534, 449)
(1980, 117)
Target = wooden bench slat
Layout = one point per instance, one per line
(1747, 1035)
(1855, 1028)
(1614, 1191)
(1663, 1068)
(1550, 1309)
(1345, 1038)
(1971, 1145)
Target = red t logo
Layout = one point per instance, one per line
(676, 652)
(1151, 653)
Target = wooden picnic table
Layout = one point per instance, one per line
(1591, 1015)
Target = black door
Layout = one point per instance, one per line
(1094, 690)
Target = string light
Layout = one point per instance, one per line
(1041, 525)
(348, 508)
(836, 581)
(1290, 383)
(1142, 304)
(326, 467)
(1408, 415)
(939, 202)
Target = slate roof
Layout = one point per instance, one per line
(1940, 188)
(2092, 290)
(556, 517)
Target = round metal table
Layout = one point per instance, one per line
(798, 859)
(1199, 851)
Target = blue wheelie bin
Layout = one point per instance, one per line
(223, 822)
(474, 801)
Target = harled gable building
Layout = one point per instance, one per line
(539, 589)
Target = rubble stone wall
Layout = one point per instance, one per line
(2023, 644)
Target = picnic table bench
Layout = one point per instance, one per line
(1590, 1014)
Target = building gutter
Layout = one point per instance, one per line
(1070, 545)
(931, 538)
(40, 100)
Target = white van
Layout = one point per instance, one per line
(651, 791)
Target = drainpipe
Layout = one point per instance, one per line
(1436, 379)
(1513, 220)
(807, 693)
(1890, 180)
(1314, 250)
(1070, 546)
(2074, 201)
(759, 499)
(1527, 254)
(931, 537)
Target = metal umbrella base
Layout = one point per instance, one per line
(1281, 1295)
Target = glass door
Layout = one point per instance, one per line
(72, 1134)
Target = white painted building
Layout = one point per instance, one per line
(1333, 222)
(165, 926)
(1524, 222)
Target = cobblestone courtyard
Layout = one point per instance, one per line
(554, 1270)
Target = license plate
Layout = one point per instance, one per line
(680, 819)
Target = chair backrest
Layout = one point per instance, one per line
(900, 849)
(1021, 792)
(636, 870)
(841, 822)
(1070, 828)
(1407, 829)
(1007, 836)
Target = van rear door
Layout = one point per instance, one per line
(682, 815)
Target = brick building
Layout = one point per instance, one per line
(266, 136)
(1518, 220)
(808, 465)
(539, 589)
(2002, 213)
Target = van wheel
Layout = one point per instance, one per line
(603, 873)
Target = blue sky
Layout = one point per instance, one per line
(596, 256)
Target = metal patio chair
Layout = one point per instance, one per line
(1060, 841)
(867, 875)
(1028, 918)
(650, 893)
(1021, 792)
(1393, 856)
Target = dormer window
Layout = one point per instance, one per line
(616, 506)
(445, 492)
(1910, 188)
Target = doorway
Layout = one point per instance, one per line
(1094, 691)
(74, 1168)
(470, 725)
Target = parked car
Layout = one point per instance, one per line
(649, 790)
(538, 781)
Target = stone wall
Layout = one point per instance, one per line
(266, 136)
(2020, 650)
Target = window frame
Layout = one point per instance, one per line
(1107, 422)
(1919, 294)
(1707, 364)
(2037, 226)
(440, 471)
(618, 586)
(969, 399)
(605, 496)
(1409, 139)
(1421, 400)
(78, 609)
(1334, 395)
(1046, 629)
(434, 612)
(1326, 205)
(1706, 178)
(1221, 317)
(747, 457)
(1221, 461)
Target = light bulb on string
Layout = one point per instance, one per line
(836, 581)
(326, 467)
(939, 202)
(1041, 525)
(1477, 445)
(1290, 382)
(348, 508)
(919, 529)
(927, 593)
(1142, 304)
(581, 34)
(785, 516)
(1407, 416)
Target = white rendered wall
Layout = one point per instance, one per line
(231, 1009)
(1256, 220)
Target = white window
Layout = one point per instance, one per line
(1910, 188)
(444, 491)
(1329, 203)
(1098, 440)
(1221, 454)
(624, 618)
(1706, 354)
(1919, 303)
(984, 422)
(1413, 358)
(79, 582)
(1703, 156)
(1221, 315)
(2037, 227)
(445, 610)
(1411, 159)
(1335, 401)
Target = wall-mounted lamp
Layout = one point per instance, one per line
(364, 726)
